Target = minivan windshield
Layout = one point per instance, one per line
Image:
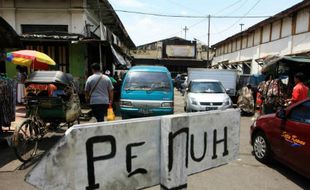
(150, 81)
(206, 87)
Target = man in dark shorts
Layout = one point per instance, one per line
(99, 90)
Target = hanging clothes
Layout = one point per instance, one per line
(274, 94)
(7, 101)
(21, 77)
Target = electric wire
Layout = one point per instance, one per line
(186, 16)
(229, 27)
(201, 21)
(229, 6)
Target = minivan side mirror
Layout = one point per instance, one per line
(281, 114)
(228, 90)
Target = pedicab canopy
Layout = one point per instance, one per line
(48, 77)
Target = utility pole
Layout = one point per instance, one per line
(101, 36)
(241, 26)
(185, 31)
(208, 52)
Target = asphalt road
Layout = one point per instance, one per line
(244, 173)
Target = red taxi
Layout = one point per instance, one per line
(284, 136)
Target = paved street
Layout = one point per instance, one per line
(244, 173)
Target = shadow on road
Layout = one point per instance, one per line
(290, 174)
(7, 154)
(45, 144)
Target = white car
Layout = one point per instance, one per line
(205, 95)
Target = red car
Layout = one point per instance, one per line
(284, 136)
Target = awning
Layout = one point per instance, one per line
(52, 36)
(270, 65)
(119, 59)
(8, 36)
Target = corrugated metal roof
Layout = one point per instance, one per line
(113, 22)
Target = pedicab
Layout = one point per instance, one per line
(51, 99)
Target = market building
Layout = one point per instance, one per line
(75, 33)
(286, 33)
(177, 54)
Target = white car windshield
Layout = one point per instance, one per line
(151, 81)
(206, 87)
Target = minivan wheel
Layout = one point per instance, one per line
(261, 148)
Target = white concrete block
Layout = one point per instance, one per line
(139, 153)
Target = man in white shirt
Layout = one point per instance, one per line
(99, 89)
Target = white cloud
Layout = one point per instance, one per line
(129, 3)
(147, 29)
(184, 13)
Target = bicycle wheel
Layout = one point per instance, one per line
(25, 140)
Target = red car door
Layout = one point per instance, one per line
(295, 138)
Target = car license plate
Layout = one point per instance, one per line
(144, 110)
(211, 108)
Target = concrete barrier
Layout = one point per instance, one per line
(138, 153)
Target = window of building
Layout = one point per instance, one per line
(286, 27)
(302, 21)
(229, 47)
(244, 42)
(266, 33)
(32, 28)
(234, 45)
(250, 40)
(239, 44)
(257, 35)
(276, 28)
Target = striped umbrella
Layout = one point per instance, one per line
(30, 58)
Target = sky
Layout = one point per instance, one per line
(145, 29)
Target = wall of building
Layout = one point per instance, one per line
(285, 36)
(154, 51)
(53, 12)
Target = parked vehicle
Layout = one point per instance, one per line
(205, 95)
(284, 136)
(51, 99)
(227, 77)
(147, 91)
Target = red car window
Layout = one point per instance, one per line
(301, 113)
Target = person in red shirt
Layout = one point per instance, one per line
(300, 90)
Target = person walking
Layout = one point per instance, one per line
(300, 90)
(99, 92)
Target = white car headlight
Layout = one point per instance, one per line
(167, 105)
(227, 102)
(194, 101)
(125, 103)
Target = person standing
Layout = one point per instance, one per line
(99, 92)
(300, 90)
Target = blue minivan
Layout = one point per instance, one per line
(147, 91)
